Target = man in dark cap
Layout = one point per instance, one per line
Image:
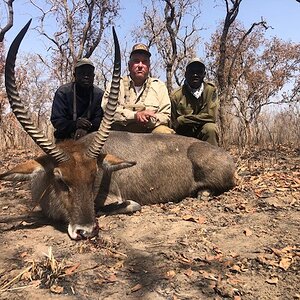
(144, 103)
(195, 105)
(76, 108)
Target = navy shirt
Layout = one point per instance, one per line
(62, 109)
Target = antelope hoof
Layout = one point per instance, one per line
(204, 195)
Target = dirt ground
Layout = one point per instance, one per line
(243, 244)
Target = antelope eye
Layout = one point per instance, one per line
(63, 185)
(58, 176)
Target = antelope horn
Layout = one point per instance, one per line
(17, 106)
(103, 131)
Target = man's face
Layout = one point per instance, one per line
(194, 75)
(139, 66)
(84, 76)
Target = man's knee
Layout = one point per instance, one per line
(209, 128)
(163, 129)
(210, 133)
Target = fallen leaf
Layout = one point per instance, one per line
(136, 288)
(71, 270)
(184, 260)
(228, 263)
(23, 254)
(112, 278)
(217, 250)
(98, 281)
(170, 274)
(235, 269)
(285, 262)
(189, 272)
(272, 280)
(213, 257)
(277, 251)
(233, 254)
(189, 218)
(56, 289)
(208, 275)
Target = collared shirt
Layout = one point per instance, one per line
(197, 92)
(153, 95)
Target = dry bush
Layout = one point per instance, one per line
(270, 130)
(13, 136)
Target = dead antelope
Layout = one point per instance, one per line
(75, 178)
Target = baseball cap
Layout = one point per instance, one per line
(84, 61)
(196, 60)
(140, 48)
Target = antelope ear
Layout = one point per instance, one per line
(23, 172)
(113, 163)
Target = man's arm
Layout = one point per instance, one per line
(97, 111)
(174, 113)
(163, 113)
(60, 115)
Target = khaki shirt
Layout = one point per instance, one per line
(153, 96)
(187, 109)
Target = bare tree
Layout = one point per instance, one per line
(256, 73)
(80, 26)
(9, 19)
(227, 53)
(4, 28)
(34, 78)
(37, 91)
(166, 29)
(267, 70)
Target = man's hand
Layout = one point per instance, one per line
(79, 133)
(83, 123)
(144, 116)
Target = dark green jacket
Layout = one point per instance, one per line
(187, 109)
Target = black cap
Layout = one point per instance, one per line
(196, 60)
(84, 61)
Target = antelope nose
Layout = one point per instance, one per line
(84, 234)
(81, 234)
(77, 232)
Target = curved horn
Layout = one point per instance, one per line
(17, 106)
(103, 132)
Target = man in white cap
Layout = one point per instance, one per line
(195, 105)
(76, 108)
(144, 103)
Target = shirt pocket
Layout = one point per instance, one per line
(151, 103)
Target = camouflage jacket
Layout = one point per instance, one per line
(187, 109)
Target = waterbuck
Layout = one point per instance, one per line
(74, 179)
